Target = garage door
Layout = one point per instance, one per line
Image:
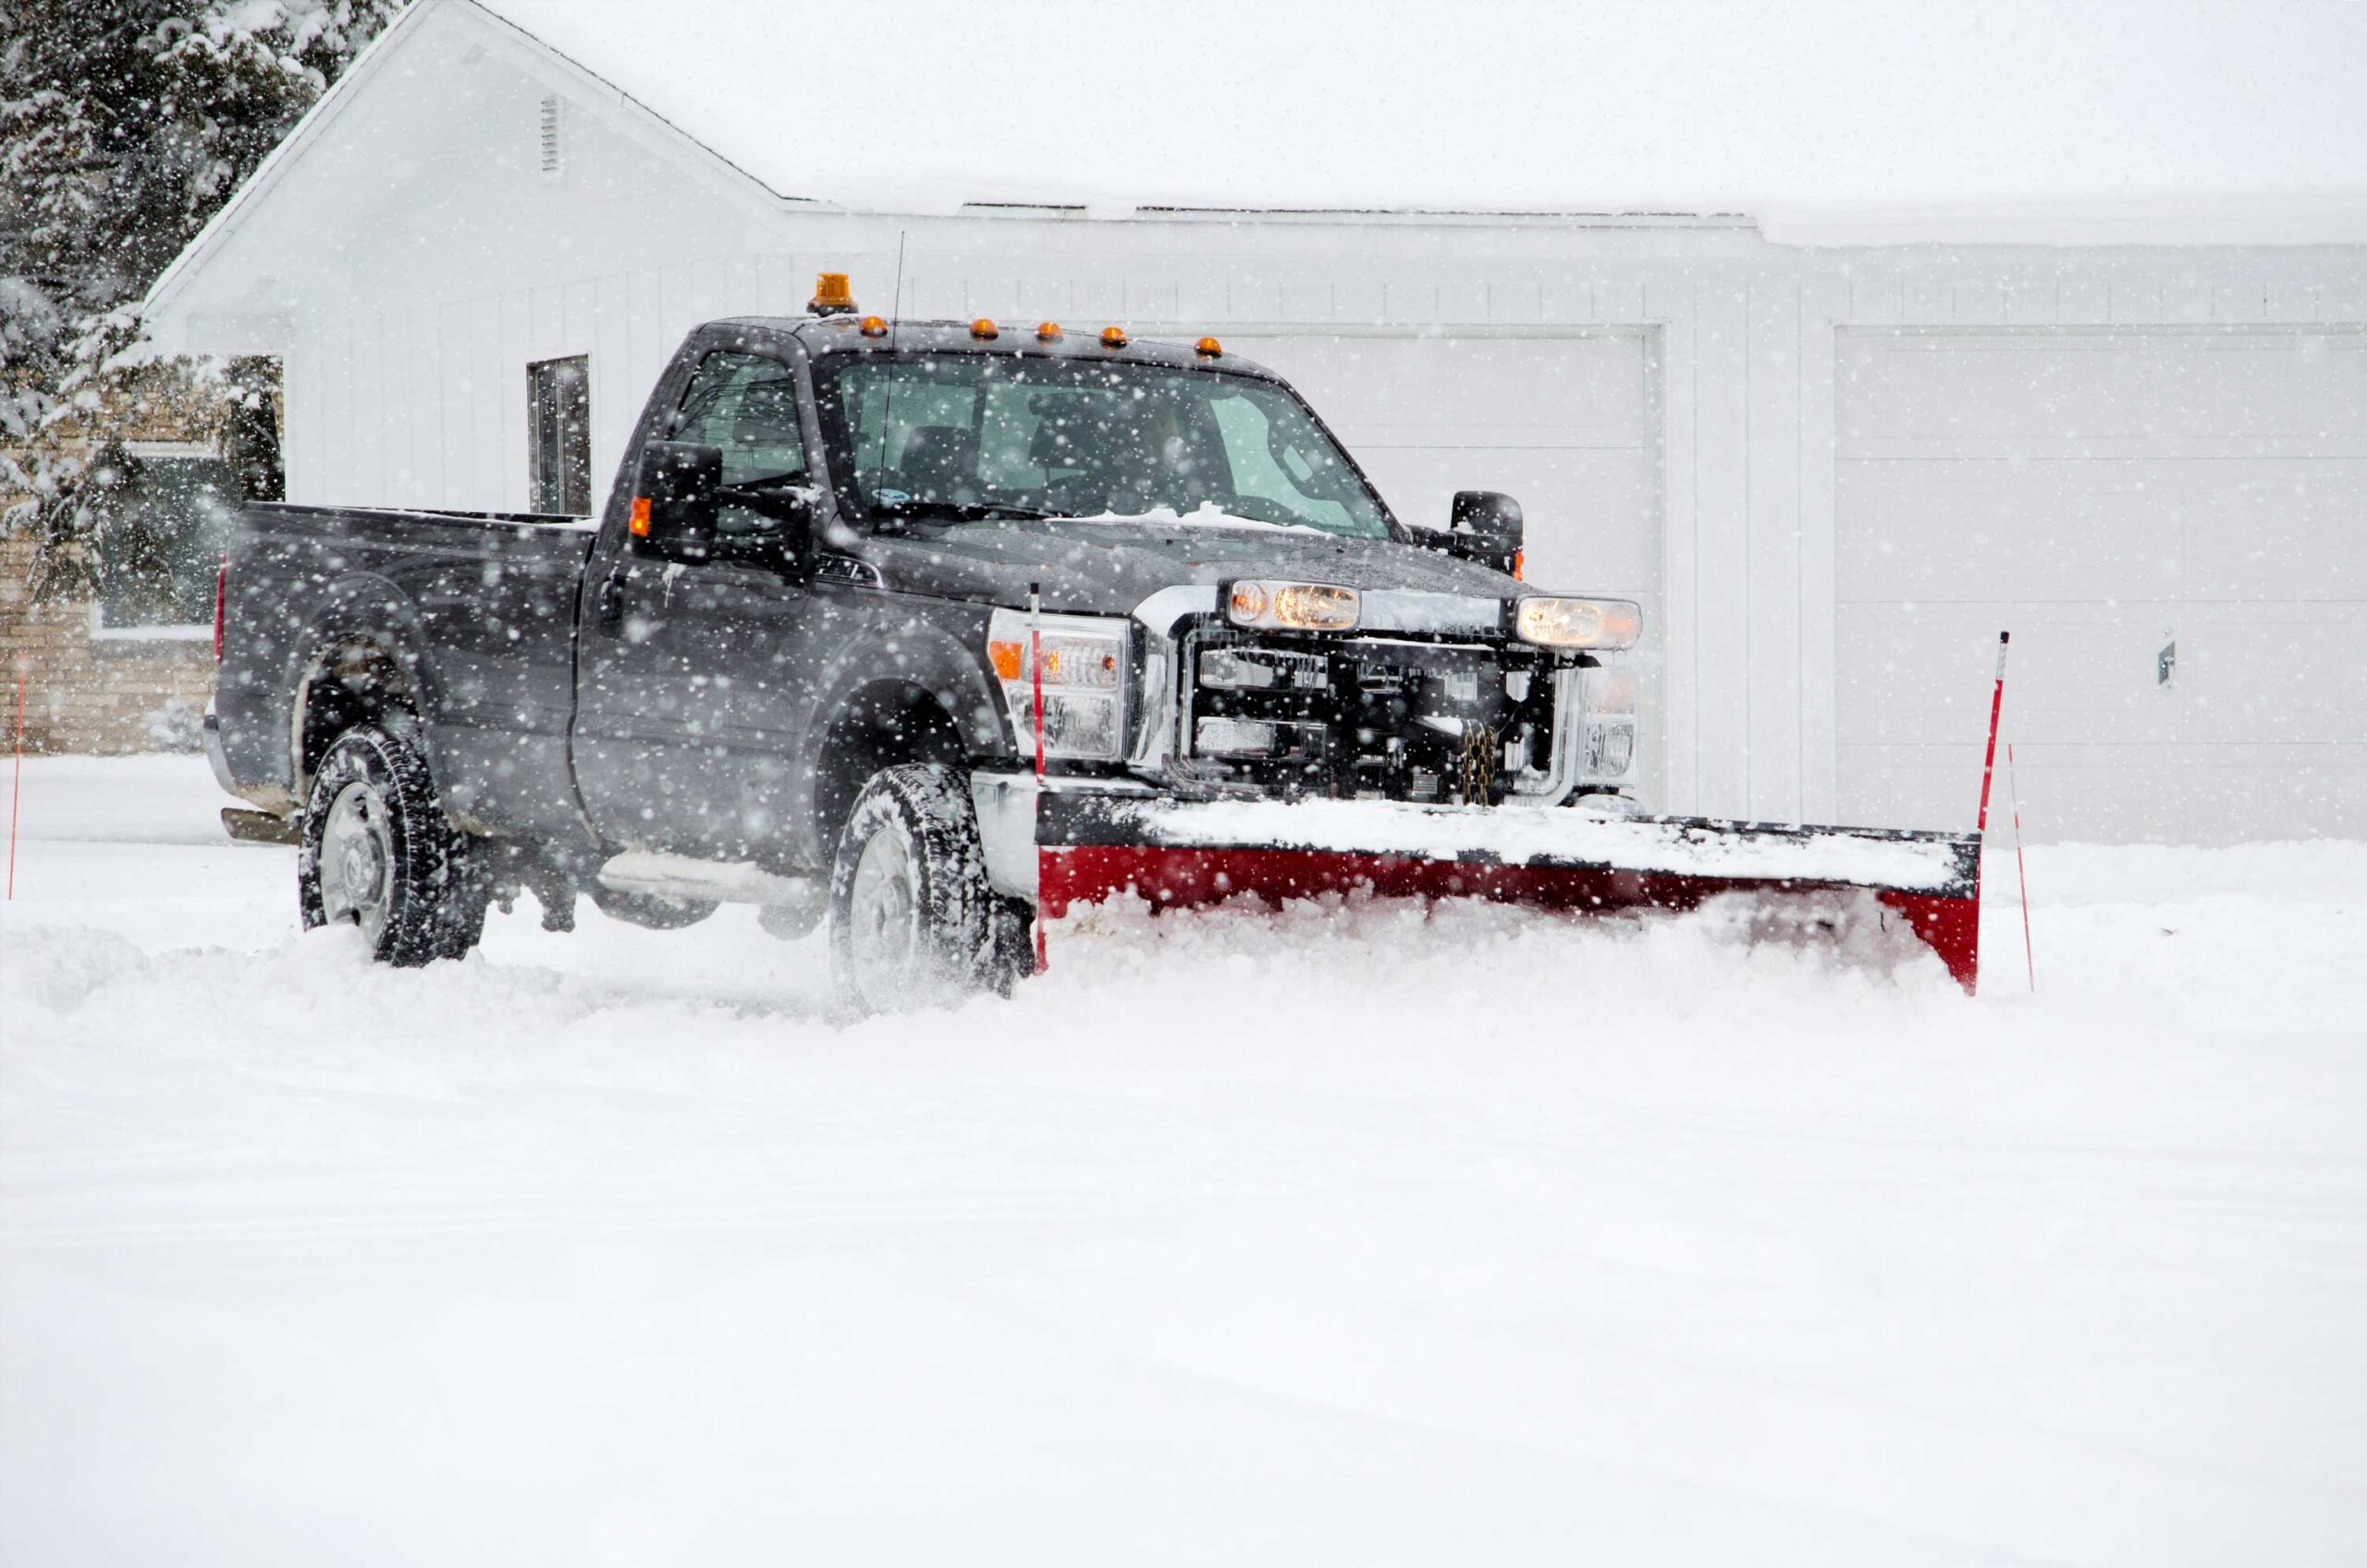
(2172, 523)
(1562, 423)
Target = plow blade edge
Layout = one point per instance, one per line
(1177, 854)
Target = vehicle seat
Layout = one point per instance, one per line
(940, 462)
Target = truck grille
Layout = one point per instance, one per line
(1368, 717)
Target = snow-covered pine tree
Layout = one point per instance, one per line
(123, 124)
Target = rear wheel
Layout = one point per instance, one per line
(913, 921)
(378, 853)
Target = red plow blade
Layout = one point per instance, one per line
(1172, 853)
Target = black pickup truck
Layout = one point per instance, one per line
(864, 593)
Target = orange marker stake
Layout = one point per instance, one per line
(1035, 675)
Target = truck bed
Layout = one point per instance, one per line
(476, 610)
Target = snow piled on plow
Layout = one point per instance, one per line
(1353, 1232)
(1519, 836)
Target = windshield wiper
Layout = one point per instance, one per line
(957, 511)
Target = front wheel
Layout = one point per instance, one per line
(913, 920)
(377, 852)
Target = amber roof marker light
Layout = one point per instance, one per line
(1209, 349)
(1049, 331)
(873, 326)
(832, 295)
(985, 330)
(1113, 337)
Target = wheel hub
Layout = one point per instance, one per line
(357, 860)
(882, 928)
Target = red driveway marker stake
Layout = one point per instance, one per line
(1036, 674)
(16, 785)
(2022, 873)
(1996, 705)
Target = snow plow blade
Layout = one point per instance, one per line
(1175, 853)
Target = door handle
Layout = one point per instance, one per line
(2166, 663)
(611, 605)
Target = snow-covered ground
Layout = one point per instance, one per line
(1352, 1236)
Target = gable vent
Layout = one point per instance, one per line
(554, 150)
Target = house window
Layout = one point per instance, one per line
(170, 507)
(559, 424)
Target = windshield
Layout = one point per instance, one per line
(962, 436)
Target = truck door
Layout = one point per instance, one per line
(691, 678)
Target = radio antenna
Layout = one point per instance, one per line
(887, 410)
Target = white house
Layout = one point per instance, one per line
(1841, 339)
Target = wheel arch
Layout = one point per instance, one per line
(910, 693)
(359, 660)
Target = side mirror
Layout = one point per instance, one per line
(1486, 528)
(674, 501)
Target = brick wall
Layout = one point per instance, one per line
(108, 695)
(118, 694)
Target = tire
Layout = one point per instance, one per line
(913, 921)
(378, 852)
(651, 911)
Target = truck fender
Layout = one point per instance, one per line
(918, 658)
(359, 610)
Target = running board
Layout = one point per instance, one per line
(708, 881)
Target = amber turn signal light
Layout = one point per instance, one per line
(873, 326)
(832, 297)
(1049, 331)
(639, 521)
(1208, 347)
(1113, 337)
(985, 330)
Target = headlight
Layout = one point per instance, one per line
(1292, 607)
(1579, 623)
(1607, 700)
(1084, 662)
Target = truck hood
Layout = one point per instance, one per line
(1090, 567)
